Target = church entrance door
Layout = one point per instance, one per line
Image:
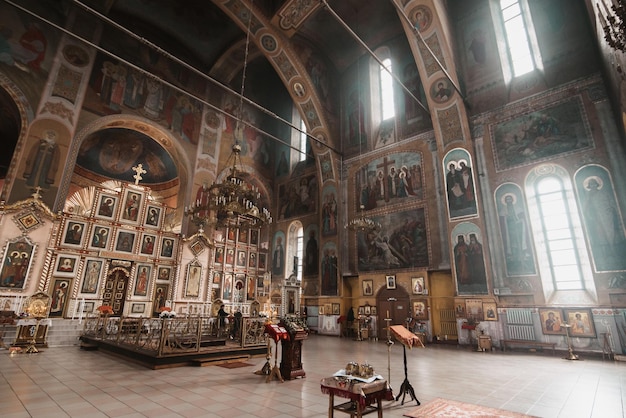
(392, 302)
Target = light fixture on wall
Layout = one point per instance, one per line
(234, 202)
(614, 23)
(362, 223)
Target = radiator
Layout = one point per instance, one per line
(521, 332)
(447, 315)
(448, 328)
(519, 316)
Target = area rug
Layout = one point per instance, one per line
(439, 407)
(234, 365)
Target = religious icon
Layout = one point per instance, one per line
(74, 233)
(132, 204)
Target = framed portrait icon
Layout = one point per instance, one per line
(99, 238)
(153, 216)
(125, 241)
(194, 275)
(417, 285)
(368, 287)
(490, 312)
(148, 244)
(74, 233)
(91, 275)
(391, 281)
(106, 206)
(16, 263)
(66, 265)
(142, 279)
(580, 323)
(552, 321)
(131, 207)
(59, 297)
(420, 309)
(167, 247)
(164, 273)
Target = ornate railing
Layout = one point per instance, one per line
(171, 335)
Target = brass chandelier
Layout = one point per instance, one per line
(233, 203)
(363, 224)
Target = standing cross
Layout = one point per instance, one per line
(139, 170)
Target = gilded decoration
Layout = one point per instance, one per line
(429, 61)
(450, 125)
(67, 84)
(59, 109)
(295, 12)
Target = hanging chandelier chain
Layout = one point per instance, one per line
(245, 67)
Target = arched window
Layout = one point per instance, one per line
(381, 88)
(388, 110)
(559, 238)
(563, 261)
(295, 249)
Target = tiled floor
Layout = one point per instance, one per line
(62, 382)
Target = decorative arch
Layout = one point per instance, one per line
(148, 128)
(25, 115)
(282, 56)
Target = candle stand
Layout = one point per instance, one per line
(570, 350)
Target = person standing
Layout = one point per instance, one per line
(221, 314)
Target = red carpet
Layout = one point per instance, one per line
(452, 409)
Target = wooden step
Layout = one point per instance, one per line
(88, 347)
(212, 361)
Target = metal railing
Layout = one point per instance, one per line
(163, 336)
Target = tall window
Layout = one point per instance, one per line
(517, 37)
(556, 213)
(299, 252)
(295, 251)
(386, 90)
(303, 140)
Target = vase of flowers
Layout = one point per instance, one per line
(105, 310)
(167, 313)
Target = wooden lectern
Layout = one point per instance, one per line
(408, 339)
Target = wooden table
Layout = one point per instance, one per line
(362, 396)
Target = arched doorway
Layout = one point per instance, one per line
(115, 290)
(392, 303)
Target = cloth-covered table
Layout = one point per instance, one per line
(362, 395)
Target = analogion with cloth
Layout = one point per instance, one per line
(362, 392)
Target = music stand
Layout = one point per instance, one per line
(407, 338)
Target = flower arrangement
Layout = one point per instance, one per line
(105, 310)
(294, 324)
(167, 312)
(471, 323)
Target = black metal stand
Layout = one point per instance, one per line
(406, 386)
